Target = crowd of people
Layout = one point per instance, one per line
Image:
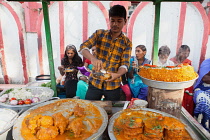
(111, 51)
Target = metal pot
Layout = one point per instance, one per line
(7, 119)
(62, 107)
(37, 83)
(116, 115)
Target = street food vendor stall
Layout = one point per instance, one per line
(87, 120)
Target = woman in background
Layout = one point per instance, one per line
(69, 65)
(138, 88)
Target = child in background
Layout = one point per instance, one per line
(163, 54)
(82, 85)
(88, 63)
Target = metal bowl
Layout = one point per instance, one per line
(116, 115)
(37, 83)
(34, 90)
(168, 85)
(63, 106)
(7, 119)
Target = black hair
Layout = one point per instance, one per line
(76, 60)
(142, 47)
(164, 50)
(118, 10)
(185, 47)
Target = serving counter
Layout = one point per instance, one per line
(198, 130)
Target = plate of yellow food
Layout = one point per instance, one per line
(69, 70)
(168, 77)
(147, 124)
(62, 119)
(102, 75)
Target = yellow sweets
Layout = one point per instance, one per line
(179, 73)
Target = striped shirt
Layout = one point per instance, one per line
(113, 54)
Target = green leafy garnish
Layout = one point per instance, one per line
(46, 84)
(8, 91)
(71, 134)
(123, 121)
(146, 134)
(117, 130)
(131, 122)
(157, 127)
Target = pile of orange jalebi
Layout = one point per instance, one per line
(180, 73)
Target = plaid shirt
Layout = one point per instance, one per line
(113, 54)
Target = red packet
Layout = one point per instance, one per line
(132, 102)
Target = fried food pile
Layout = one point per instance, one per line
(61, 125)
(146, 125)
(47, 127)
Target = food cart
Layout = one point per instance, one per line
(200, 132)
(117, 106)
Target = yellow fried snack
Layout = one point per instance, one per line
(168, 74)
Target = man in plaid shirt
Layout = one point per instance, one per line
(113, 51)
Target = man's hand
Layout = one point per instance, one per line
(113, 76)
(98, 64)
(119, 73)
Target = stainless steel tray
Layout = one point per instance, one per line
(168, 85)
(37, 83)
(197, 128)
(34, 90)
(8, 116)
(116, 115)
(62, 107)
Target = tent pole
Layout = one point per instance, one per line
(49, 46)
(156, 33)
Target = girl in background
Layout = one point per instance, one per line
(138, 88)
(69, 65)
(87, 63)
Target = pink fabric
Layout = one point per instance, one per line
(127, 91)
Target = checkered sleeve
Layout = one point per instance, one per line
(88, 44)
(125, 58)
